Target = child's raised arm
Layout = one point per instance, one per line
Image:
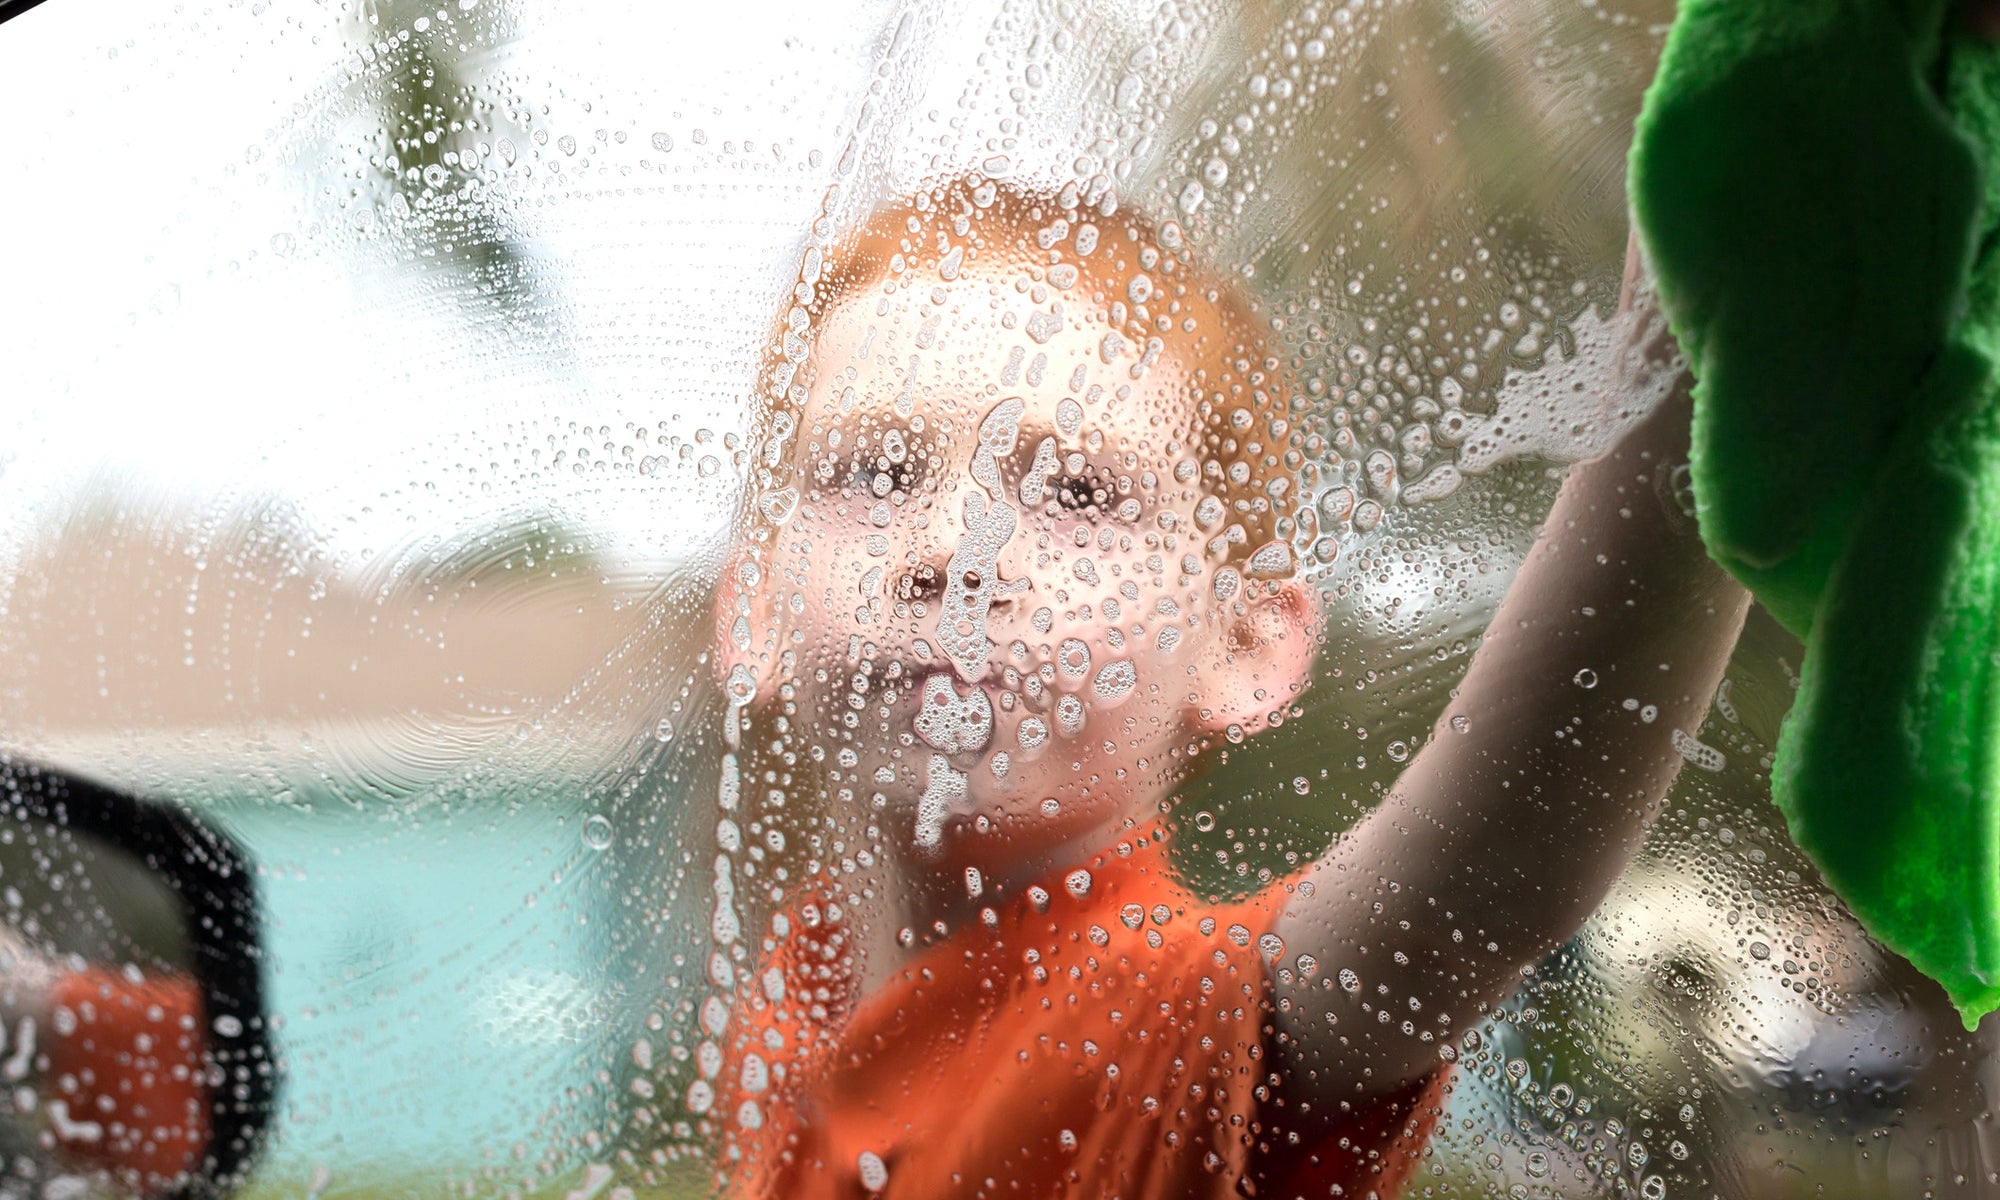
(1538, 782)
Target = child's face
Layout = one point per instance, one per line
(996, 610)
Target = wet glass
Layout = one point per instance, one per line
(652, 527)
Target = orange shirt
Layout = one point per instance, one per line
(1105, 1035)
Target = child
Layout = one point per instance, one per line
(1021, 554)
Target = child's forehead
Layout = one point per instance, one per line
(942, 402)
(924, 355)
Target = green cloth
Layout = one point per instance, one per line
(1815, 188)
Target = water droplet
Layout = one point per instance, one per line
(1069, 716)
(1271, 560)
(1073, 658)
(597, 831)
(1697, 754)
(952, 723)
(1204, 821)
(1337, 504)
(1586, 678)
(1115, 681)
(1032, 733)
(742, 684)
(779, 505)
(874, 1174)
(1380, 469)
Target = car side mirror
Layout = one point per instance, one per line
(135, 1052)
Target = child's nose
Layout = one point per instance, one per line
(1017, 561)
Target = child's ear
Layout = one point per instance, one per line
(1259, 659)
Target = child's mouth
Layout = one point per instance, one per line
(951, 723)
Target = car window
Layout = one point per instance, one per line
(821, 597)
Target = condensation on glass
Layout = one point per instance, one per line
(776, 604)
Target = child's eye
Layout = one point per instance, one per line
(1086, 487)
(877, 477)
(1077, 492)
(919, 583)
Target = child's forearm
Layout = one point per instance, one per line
(1535, 789)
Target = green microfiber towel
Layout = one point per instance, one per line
(1816, 191)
